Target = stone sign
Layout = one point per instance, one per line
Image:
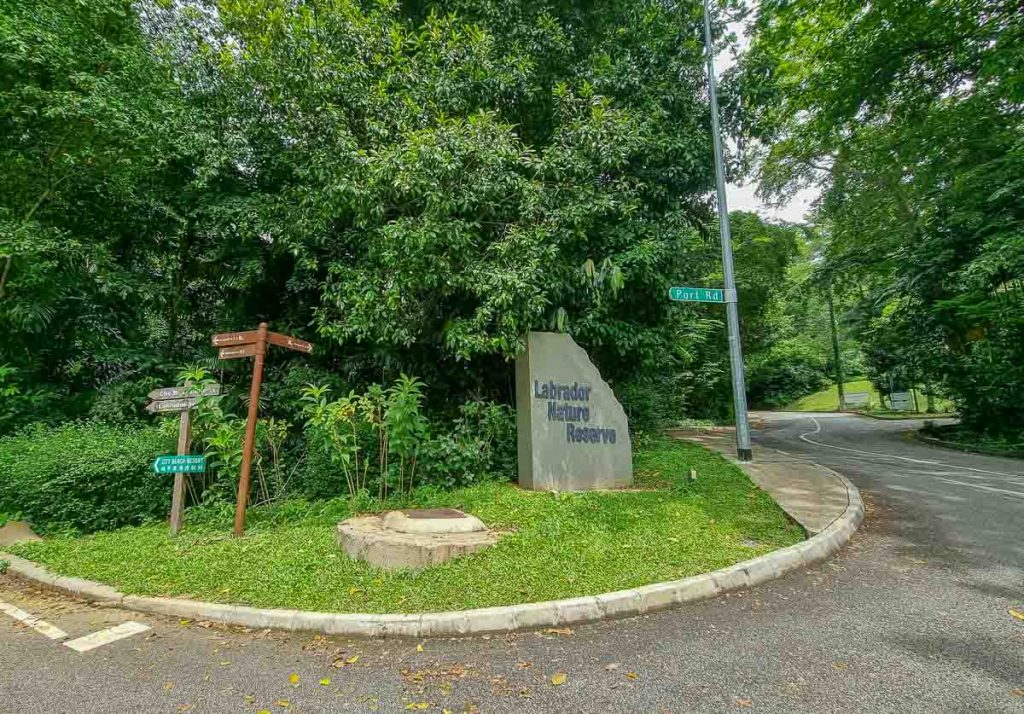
(573, 433)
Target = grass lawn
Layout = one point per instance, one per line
(827, 400)
(555, 546)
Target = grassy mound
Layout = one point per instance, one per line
(827, 400)
(555, 546)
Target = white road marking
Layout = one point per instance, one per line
(817, 430)
(105, 637)
(41, 626)
(1018, 494)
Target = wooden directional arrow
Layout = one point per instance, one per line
(239, 351)
(234, 338)
(292, 343)
(172, 405)
(211, 390)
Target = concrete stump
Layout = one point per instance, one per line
(413, 538)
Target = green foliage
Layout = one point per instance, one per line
(788, 370)
(479, 445)
(391, 421)
(93, 130)
(20, 404)
(84, 476)
(908, 114)
(419, 183)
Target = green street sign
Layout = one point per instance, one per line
(183, 464)
(696, 294)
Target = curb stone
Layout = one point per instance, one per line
(571, 611)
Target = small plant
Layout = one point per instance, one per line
(380, 432)
(335, 426)
(4, 565)
(406, 427)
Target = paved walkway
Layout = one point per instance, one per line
(812, 495)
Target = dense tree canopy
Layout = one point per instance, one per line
(413, 185)
(909, 114)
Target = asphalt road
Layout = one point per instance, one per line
(912, 616)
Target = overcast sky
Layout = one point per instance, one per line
(743, 198)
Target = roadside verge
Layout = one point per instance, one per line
(825, 542)
(966, 448)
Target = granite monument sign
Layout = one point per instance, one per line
(572, 432)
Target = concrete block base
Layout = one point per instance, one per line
(368, 538)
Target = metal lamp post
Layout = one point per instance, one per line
(739, 390)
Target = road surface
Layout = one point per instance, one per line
(912, 617)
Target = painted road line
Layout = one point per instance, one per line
(105, 637)
(41, 626)
(817, 430)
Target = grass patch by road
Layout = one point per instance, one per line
(555, 546)
(827, 400)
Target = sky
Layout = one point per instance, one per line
(744, 198)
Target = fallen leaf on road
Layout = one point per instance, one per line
(611, 667)
(1018, 614)
(417, 705)
(168, 686)
(745, 703)
(419, 648)
(352, 660)
(225, 663)
(1018, 692)
(293, 680)
(184, 623)
(263, 711)
(557, 631)
(632, 675)
(325, 682)
(559, 678)
(524, 665)
(283, 703)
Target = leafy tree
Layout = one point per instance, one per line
(909, 114)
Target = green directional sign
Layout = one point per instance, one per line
(183, 464)
(696, 294)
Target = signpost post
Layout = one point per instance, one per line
(181, 400)
(732, 315)
(252, 343)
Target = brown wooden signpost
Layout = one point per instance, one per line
(252, 343)
(181, 400)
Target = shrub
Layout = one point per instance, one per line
(21, 404)
(789, 370)
(122, 402)
(480, 444)
(86, 476)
